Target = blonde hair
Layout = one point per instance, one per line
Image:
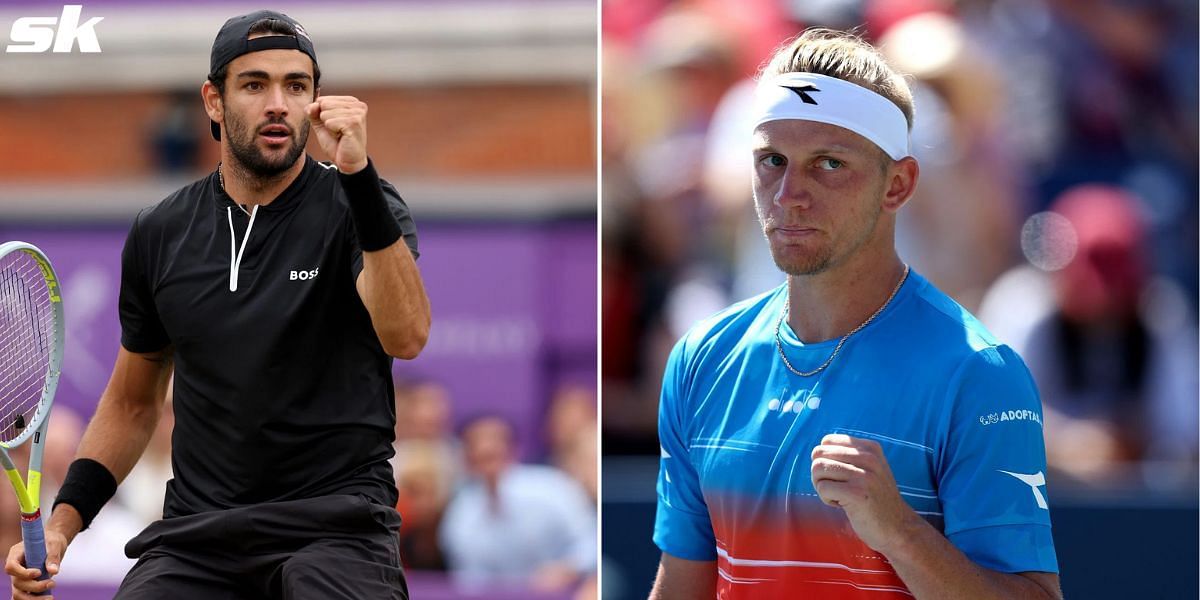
(845, 56)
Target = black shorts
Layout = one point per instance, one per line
(326, 548)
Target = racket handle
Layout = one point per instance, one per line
(35, 544)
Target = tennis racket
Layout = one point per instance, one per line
(31, 348)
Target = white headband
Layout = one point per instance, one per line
(812, 97)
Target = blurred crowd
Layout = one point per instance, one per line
(1058, 199)
(471, 509)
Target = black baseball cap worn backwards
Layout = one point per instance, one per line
(232, 41)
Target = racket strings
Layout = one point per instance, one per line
(26, 337)
(22, 394)
(25, 359)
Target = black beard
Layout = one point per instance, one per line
(250, 159)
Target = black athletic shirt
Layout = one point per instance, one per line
(282, 388)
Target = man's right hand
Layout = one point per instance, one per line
(24, 580)
(62, 527)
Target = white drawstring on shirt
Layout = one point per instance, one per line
(235, 254)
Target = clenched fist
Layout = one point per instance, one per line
(340, 124)
(853, 474)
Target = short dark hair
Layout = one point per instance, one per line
(266, 26)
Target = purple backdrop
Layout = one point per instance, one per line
(514, 312)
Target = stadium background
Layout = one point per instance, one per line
(1017, 102)
(481, 113)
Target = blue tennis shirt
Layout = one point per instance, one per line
(957, 414)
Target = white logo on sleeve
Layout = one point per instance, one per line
(1010, 415)
(1034, 482)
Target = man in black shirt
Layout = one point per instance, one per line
(277, 289)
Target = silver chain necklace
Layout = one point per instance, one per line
(787, 305)
(221, 179)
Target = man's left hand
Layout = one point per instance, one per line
(340, 124)
(853, 474)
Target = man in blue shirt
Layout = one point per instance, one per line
(853, 433)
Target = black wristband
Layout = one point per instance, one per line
(88, 487)
(376, 226)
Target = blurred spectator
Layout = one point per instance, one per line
(958, 229)
(657, 114)
(1106, 92)
(689, 62)
(63, 432)
(423, 422)
(516, 524)
(572, 412)
(175, 135)
(424, 488)
(633, 275)
(1113, 349)
(572, 435)
(580, 461)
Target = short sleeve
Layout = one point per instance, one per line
(992, 470)
(407, 227)
(141, 328)
(682, 525)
